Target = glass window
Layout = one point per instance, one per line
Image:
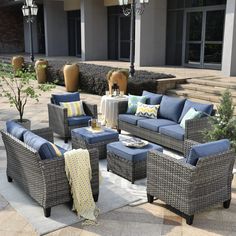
(194, 26)
(174, 38)
(175, 4)
(213, 53)
(200, 3)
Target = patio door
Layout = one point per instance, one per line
(124, 38)
(203, 37)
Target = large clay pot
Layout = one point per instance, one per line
(120, 79)
(71, 77)
(41, 70)
(17, 62)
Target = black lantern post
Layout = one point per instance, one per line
(30, 11)
(137, 6)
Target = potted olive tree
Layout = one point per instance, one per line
(19, 87)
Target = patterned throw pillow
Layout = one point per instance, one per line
(56, 149)
(145, 110)
(73, 108)
(191, 114)
(133, 101)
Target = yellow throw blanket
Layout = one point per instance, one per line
(79, 174)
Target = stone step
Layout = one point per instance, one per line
(213, 83)
(196, 94)
(206, 89)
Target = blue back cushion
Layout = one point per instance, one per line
(207, 149)
(205, 108)
(171, 108)
(44, 148)
(152, 98)
(15, 129)
(67, 97)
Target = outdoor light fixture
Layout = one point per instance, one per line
(136, 6)
(30, 11)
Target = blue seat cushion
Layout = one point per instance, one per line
(155, 124)
(67, 97)
(78, 120)
(174, 131)
(15, 129)
(92, 138)
(44, 148)
(205, 108)
(131, 119)
(132, 154)
(207, 149)
(152, 98)
(171, 108)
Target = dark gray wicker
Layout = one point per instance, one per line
(44, 180)
(187, 188)
(131, 170)
(57, 116)
(79, 142)
(193, 130)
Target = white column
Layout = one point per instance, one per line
(56, 28)
(93, 30)
(229, 47)
(150, 38)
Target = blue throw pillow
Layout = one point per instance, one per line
(133, 103)
(44, 147)
(191, 114)
(15, 129)
(67, 97)
(204, 108)
(171, 108)
(207, 149)
(152, 98)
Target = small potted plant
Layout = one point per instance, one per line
(19, 87)
(119, 77)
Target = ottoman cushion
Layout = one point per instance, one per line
(93, 138)
(132, 154)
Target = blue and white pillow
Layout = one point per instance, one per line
(133, 103)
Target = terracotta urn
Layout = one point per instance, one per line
(17, 62)
(120, 78)
(71, 77)
(41, 70)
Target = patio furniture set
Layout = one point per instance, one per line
(200, 180)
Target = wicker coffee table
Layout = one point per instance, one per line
(87, 139)
(129, 163)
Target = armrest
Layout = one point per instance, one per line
(46, 133)
(122, 107)
(90, 109)
(188, 145)
(161, 167)
(56, 114)
(194, 129)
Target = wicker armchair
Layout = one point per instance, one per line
(58, 119)
(44, 180)
(190, 189)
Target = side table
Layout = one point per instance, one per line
(109, 109)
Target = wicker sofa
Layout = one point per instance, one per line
(44, 180)
(189, 189)
(168, 132)
(59, 121)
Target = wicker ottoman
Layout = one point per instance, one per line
(129, 163)
(86, 139)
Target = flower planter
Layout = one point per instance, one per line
(71, 77)
(17, 62)
(41, 70)
(26, 123)
(119, 78)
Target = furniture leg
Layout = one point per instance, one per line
(66, 139)
(150, 198)
(9, 179)
(47, 211)
(95, 197)
(226, 204)
(189, 219)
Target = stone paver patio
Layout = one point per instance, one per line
(145, 219)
